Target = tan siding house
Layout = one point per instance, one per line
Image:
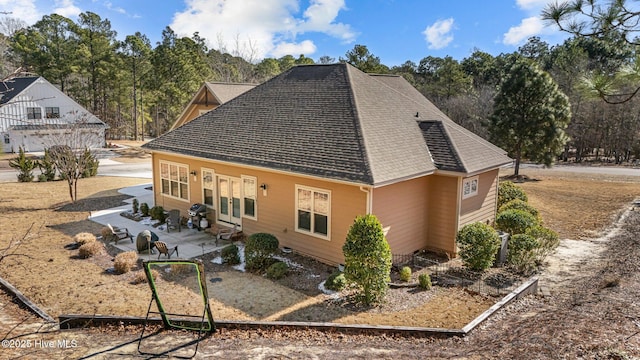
(303, 154)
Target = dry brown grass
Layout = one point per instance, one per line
(141, 277)
(60, 283)
(579, 206)
(125, 261)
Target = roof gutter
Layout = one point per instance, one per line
(254, 167)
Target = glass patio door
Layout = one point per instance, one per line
(229, 200)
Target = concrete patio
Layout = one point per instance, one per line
(191, 242)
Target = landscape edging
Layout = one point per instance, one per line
(74, 321)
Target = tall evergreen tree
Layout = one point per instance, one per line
(530, 115)
(96, 55)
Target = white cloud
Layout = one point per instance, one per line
(258, 28)
(66, 8)
(528, 27)
(24, 10)
(439, 35)
(295, 49)
(109, 5)
(319, 17)
(532, 4)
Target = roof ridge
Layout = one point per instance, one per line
(356, 114)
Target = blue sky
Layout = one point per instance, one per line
(393, 30)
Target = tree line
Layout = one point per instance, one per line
(140, 90)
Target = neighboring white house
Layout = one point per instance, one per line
(34, 115)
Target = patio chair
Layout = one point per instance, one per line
(226, 234)
(174, 220)
(164, 249)
(118, 234)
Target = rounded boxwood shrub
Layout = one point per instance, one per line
(277, 270)
(508, 191)
(517, 204)
(405, 273)
(522, 255)
(259, 249)
(479, 243)
(424, 281)
(515, 221)
(230, 255)
(157, 213)
(336, 281)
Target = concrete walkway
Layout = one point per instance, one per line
(191, 242)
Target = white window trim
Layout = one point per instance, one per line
(311, 233)
(474, 180)
(255, 198)
(214, 192)
(169, 163)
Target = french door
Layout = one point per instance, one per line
(229, 200)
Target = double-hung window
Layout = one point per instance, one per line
(208, 187)
(249, 195)
(313, 211)
(52, 112)
(174, 180)
(469, 187)
(34, 113)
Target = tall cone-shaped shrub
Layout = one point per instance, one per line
(367, 260)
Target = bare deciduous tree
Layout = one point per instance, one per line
(71, 151)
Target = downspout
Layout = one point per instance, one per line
(458, 208)
(369, 192)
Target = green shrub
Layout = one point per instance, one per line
(336, 281)
(521, 254)
(367, 260)
(518, 204)
(258, 250)
(405, 273)
(515, 221)
(47, 167)
(479, 243)
(508, 191)
(134, 206)
(277, 270)
(91, 164)
(144, 209)
(230, 255)
(547, 239)
(425, 281)
(125, 261)
(157, 213)
(24, 165)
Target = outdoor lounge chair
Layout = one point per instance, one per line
(118, 234)
(164, 249)
(174, 220)
(226, 234)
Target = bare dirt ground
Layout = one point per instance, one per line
(591, 311)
